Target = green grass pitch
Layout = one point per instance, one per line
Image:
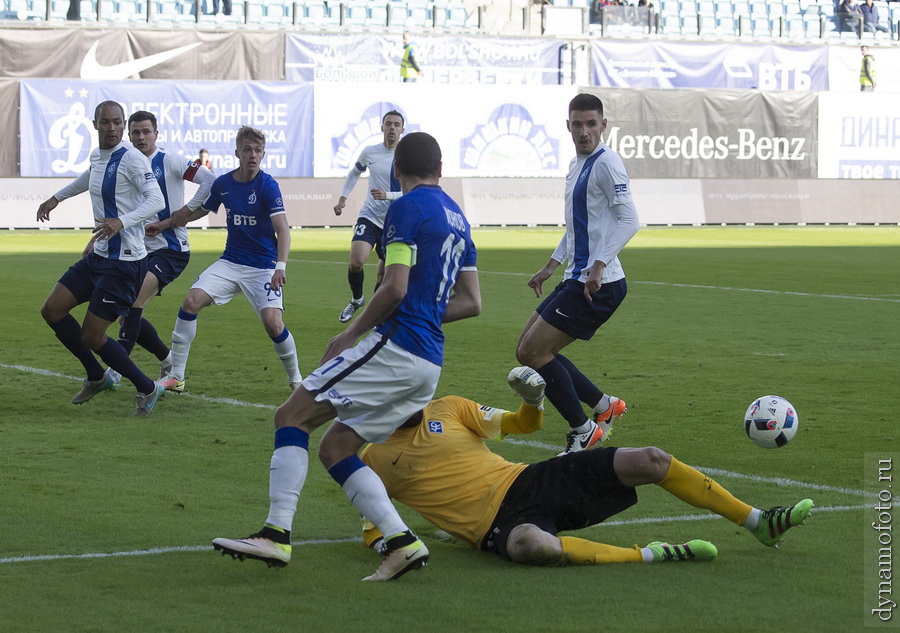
(106, 520)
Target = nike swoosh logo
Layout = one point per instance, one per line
(411, 555)
(156, 266)
(586, 443)
(565, 316)
(394, 463)
(92, 69)
(106, 301)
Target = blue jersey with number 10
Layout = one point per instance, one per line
(432, 224)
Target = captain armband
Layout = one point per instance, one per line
(400, 253)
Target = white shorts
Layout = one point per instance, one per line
(224, 279)
(374, 386)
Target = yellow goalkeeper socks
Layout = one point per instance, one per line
(695, 488)
(578, 551)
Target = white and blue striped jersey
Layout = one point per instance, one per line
(600, 215)
(122, 186)
(379, 160)
(433, 225)
(171, 171)
(249, 208)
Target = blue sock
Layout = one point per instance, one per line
(560, 392)
(68, 331)
(114, 355)
(587, 391)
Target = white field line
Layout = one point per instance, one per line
(675, 285)
(153, 551)
(199, 548)
(718, 472)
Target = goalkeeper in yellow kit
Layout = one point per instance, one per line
(438, 465)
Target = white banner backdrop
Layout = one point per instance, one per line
(482, 130)
(859, 136)
(844, 63)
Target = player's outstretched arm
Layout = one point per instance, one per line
(43, 212)
(466, 299)
(537, 280)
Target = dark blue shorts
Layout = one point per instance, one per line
(367, 231)
(166, 265)
(111, 285)
(569, 492)
(567, 310)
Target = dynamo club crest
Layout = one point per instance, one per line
(509, 142)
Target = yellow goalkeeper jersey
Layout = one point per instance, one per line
(442, 469)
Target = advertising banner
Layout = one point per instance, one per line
(701, 65)
(446, 59)
(482, 130)
(115, 54)
(715, 134)
(9, 149)
(859, 136)
(57, 134)
(844, 64)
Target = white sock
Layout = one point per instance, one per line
(287, 474)
(752, 519)
(287, 352)
(647, 554)
(604, 403)
(584, 428)
(182, 336)
(366, 491)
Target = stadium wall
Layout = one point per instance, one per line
(706, 155)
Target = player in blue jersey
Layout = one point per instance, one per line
(379, 160)
(372, 387)
(254, 261)
(168, 249)
(600, 220)
(124, 194)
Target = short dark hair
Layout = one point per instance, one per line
(142, 115)
(108, 103)
(247, 132)
(586, 102)
(393, 113)
(418, 154)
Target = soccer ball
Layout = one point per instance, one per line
(771, 421)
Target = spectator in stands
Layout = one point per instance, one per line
(849, 16)
(226, 7)
(203, 159)
(74, 12)
(409, 67)
(867, 75)
(870, 17)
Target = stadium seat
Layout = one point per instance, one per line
(727, 26)
(457, 18)
(741, 8)
(378, 16)
(812, 25)
(397, 15)
(419, 18)
(255, 14)
(355, 14)
(761, 27)
(165, 12)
